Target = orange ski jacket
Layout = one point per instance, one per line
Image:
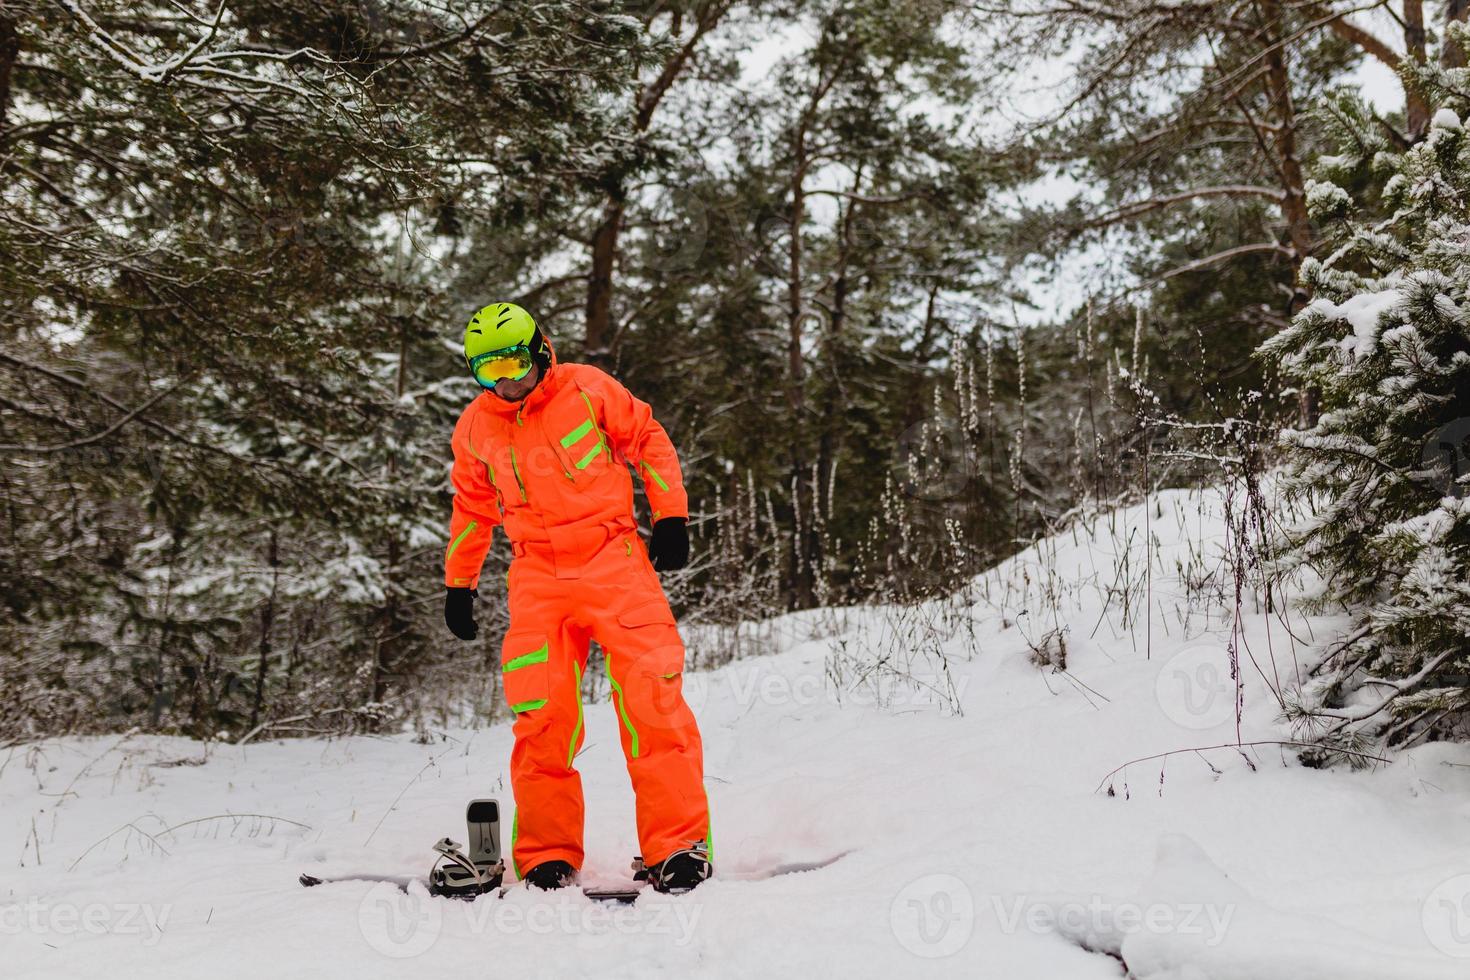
(553, 469)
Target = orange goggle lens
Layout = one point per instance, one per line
(509, 364)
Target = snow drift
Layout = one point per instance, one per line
(1074, 768)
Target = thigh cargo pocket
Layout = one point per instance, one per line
(649, 662)
(525, 670)
(656, 647)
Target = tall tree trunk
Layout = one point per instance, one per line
(796, 309)
(392, 621)
(297, 628)
(597, 340)
(801, 582)
(1289, 167)
(795, 301)
(267, 623)
(1416, 109)
(1288, 159)
(829, 439)
(161, 698)
(9, 52)
(1450, 53)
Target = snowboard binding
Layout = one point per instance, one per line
(680, 872)
(465, 874)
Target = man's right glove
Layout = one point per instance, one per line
(459, 613)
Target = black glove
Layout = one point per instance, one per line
(669, 547)
(459, 613)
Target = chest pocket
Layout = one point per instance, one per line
(575, 430)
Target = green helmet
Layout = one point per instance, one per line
(496, 327)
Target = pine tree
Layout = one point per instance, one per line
(224, 447)
(1385, 341)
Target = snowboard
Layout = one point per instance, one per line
(466, 874)
(403, 883)
(621, 894)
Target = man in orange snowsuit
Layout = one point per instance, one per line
(544, 451)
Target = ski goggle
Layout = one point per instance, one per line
(506, 364)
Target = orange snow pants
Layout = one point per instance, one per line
(614, 598)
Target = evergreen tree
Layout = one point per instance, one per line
(1386, 343)
(224, 444)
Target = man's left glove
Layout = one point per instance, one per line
(459, 613)
(669, 547)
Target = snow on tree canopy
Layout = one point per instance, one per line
(1363, 312)
(1445, 119)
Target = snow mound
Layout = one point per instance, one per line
(1071, 768)
(1236, 936)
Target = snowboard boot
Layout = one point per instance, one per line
(681, 871)
(550, 875)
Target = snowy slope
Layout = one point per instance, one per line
(979, 842)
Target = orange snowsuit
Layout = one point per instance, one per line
(553, 469)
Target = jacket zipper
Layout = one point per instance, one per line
(454, 545)
(557, 455)
(547, 439)
(516, 469)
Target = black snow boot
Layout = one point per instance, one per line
(681, 871)
(550, 875)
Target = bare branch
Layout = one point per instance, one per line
(1138, 208)
(97, 437)
(1229, 253)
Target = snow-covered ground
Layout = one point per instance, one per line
(972, 811)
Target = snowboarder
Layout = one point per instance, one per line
(544, 450)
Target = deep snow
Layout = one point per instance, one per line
(979, 844)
